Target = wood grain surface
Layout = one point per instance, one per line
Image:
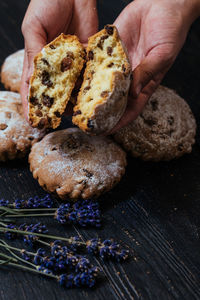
(154, 211)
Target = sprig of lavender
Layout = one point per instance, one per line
(84, 213)
(84, 279)
(106, 249)
(31, 203)
(29, 239)
(83, 276)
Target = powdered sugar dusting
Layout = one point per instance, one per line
(16, 135)
(12, 70)
(93, 164)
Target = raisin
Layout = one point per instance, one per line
(90, 55)
(66, 64)
(109, 51)
(87, 88)
(154, 105)
(110, 65)
(8, 114)
(34, 100)
(104, 94)
(52, 47)
(70, 54)
(72, 142)
(49, 120)
(103, 38)
(57, 114)
(150, 122)
(99, 45)
(45, 61)
(78, 112)
(88, 174)
(47, 101)
(109, 29)
(38, 113)
(90, 124)
(3, 126)
(170, 120)
(123, 68)
(42, 123)
(46, 79)
(180, 147)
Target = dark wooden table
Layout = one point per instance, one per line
(154, 210)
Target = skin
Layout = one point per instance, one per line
(153, 32)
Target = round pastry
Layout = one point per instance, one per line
(75, 165)
(11, 71)
(16, 135)
(165, 129)
(103, 96)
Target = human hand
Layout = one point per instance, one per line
(45, 20)
(153, 32)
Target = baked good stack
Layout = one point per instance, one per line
(76, 162)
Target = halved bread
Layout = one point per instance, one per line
(56, 69)
(103, 96)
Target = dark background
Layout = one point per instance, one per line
(154, 210)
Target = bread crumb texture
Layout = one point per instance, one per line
(56, 69)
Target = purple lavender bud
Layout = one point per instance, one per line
(11, 235)
(85, 213)
(4, 202)
(106, 249)
(25, 255)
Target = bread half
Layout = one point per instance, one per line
(103, 96)
(56, 69)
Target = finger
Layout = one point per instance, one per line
(85, 19)
(136, 105)
(152, 68)
(24, 87)
(69, 109)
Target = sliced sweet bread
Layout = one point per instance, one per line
(56, 69)
(103, 95)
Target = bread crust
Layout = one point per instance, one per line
(16, 135)
(11, 71)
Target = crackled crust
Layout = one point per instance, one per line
(56, 69)
(74, 165)
(165, 130)
(103, 96)
(11, 71)
(16, 135)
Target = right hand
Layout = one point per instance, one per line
(45, 20)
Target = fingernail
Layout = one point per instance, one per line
(138, 89)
